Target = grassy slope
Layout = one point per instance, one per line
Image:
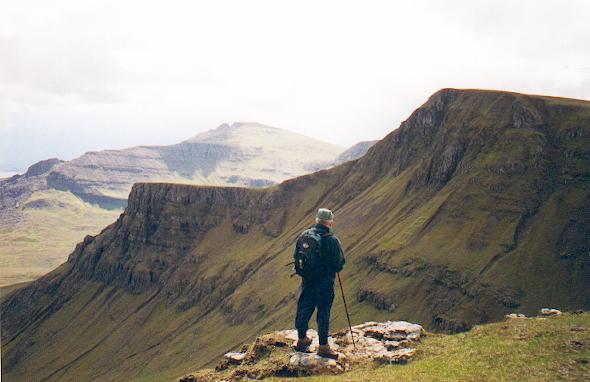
(7, 289)
(44, 237)
(456, 241)
(537, 349)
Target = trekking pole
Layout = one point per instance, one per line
(346, 310)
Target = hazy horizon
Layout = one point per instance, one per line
(93, 75)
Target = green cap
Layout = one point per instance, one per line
(325, 214)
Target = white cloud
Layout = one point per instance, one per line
(81, 75)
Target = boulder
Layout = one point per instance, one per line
(314, 364)
(235, 357)
(549, 312)
(398, 356)
(512, 316)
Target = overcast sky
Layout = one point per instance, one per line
(87, 75)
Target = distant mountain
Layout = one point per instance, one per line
(477, 206)
(45, 211)
(354, 152)
(242, 154)
(18, 188)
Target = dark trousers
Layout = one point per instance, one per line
(315, 294)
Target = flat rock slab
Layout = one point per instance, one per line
(391, 330)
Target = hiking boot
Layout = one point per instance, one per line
(326, 352)
(303, 344)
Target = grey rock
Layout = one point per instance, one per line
(549, 312)
(512, 316)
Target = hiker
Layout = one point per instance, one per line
(318, 256)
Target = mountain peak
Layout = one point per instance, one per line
(242, 124)
(241, 129)
(255, 134)
(239, 124)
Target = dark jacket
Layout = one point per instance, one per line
(332, 254)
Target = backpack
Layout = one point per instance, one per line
(308, 257)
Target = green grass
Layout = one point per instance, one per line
(536, 349)
(44, 238)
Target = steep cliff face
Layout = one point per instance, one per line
(152, 241)
(478, 205)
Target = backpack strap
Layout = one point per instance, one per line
(322, 236)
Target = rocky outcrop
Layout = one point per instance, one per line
(42, 167)
(16, 189)
(378, 300)
(272, 355)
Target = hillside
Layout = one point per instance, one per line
(478, 205)
(524, 349)
(40, 225)
(47, 210)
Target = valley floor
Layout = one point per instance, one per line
(534, 349)
(35, 240)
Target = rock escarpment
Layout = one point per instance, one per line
(151, 243)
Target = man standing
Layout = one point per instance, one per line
(318, 256)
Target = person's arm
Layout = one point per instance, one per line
(295, 249)
(341, 260)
